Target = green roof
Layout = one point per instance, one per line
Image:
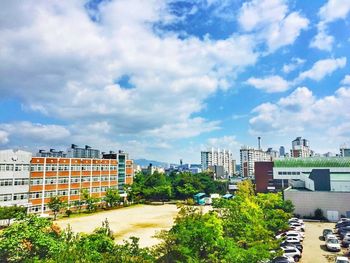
(313, 162)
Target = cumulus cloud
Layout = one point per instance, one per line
(4, 137)
(302, 112)
(272, 22)
(331, 11)
(293, 65)
(26, 132)
(224, 142)
(346, 80)
(269, 84)
(322, 68)
(60, 62)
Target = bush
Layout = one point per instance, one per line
(69, 212)
(319, 214)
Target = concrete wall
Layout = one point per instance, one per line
(306, 202)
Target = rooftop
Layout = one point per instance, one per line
(313, 162)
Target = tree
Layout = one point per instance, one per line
(56, 204)
(112, 197)
(90, 201)
(11, 212)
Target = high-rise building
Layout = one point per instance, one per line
(301, 148)
(86, 152)
(14, 177)
(248, 157)
(282, 151)
(218, 157)
(344, 151)
(51, 153)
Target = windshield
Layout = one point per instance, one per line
(333, 241)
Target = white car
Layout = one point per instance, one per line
(333, 244)
(295, 234)
(343, 219)
(342, 260)
(293, 240)
(296, 220)
(291, 252)
(301, 226)
(330, 236)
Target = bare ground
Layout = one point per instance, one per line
(142, 221)
(314, 246)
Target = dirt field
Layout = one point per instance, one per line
(314, 248)
(141, 221)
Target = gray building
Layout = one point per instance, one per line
(14, 177)
(345, 152)
(86, 152)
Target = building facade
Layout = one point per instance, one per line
(248, 157)
(87, 152)
(300, 148)
(344, 151)
(14, 177)
(218, 157)
(32, 181)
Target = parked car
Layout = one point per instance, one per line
(302, 226)
(299, 246)
(326, 232)
(292, 252)
(343, 230)
(330, 236)
(342, 260)
(346, 240)
(342, 224)
(295, 220)
(343, 219)
(293, 240)
(283, 259)
(332, 244)
(297, 234)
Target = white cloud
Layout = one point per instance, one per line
(322, 68)
(26, 132)
(272, 22)
(293, 65)
(346, 80)
(322, 41)
(323, 120)
(329, 12)
(64, 65)
(269, 84)
(4, 137)
(224, 142)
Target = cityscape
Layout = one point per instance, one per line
(175, 131)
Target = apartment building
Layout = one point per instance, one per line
(217, 157)
(14, 177)
(301, 148)
(248, 157)
(32, 181)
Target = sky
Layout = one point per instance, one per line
(165, 79)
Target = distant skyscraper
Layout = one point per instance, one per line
(248, 157)
(344, 151)
(300, 148)
(87, 152)
(282, 151)
(218, 158)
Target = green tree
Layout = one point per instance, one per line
(56, 204)
(112, 197)
(90, 201)
(12, 212)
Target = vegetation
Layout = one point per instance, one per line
(89, 201)
(56, 204)
(112, 197)
(180, 186)
(11, 212)
(239, 230)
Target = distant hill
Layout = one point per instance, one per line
(145, 163)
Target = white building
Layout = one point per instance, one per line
(218, 157)
(300, 148)
(14, 177)
(248, 157)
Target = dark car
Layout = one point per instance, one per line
(342, 224)
(326, 232)
(342, 231)
(280, 260)
(299, 246)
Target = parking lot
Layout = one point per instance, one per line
(314, 246)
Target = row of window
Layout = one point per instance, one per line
(39, 195)
(65, 180)
(10, 182)
(14, 167)
(14, 197)
(65, 167)
(288, 173)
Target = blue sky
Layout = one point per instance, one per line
(164, 79)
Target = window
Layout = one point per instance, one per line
(9, 167)
(85, 179)
(20, 196)
(36, 181)
(75, 179)
(74, 191)
(63, 180)
(21, 181)
(63, 192)
(36, 195)
(50, 193)
(5, 182)
(5, 197)
(95, 189)
(50, 181)
(95, 178)
(2, 167)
